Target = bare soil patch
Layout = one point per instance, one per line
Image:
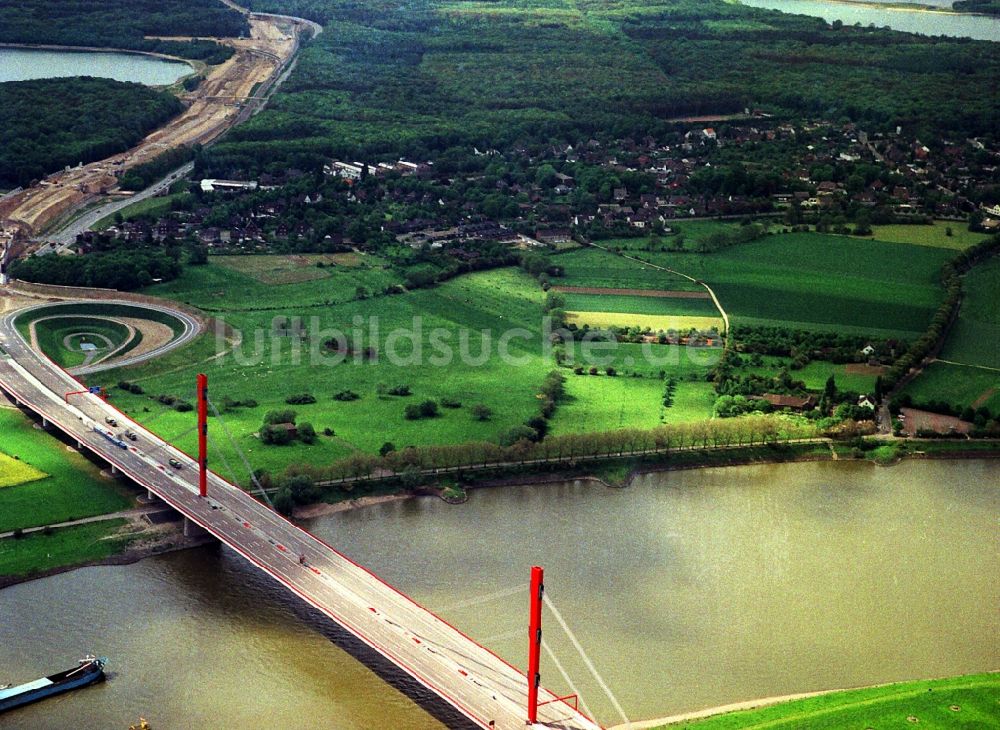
(860, 369)
(154, 334)
(916, 420)
(983, 397)
(658, 293)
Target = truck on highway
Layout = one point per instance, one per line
(112, 437)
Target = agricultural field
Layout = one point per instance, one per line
(935, 235)
(592, 267)
(70, 486)
(941, 704)
(820, 282)
(645, 305)
(646, 359)
(975, 338)
(655, 322)
(957, 385)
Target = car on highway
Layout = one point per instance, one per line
(174, 463)
(130, 436)
(111, 421)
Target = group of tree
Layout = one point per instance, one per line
(280, 429)
(128, 24)
(47, 124)
(388, 62)
(752, 430)
(951, 281)
(122, 269)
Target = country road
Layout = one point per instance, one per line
(63, 239)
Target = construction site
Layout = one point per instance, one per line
(229, 93)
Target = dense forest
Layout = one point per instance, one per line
(110, 264)
(989, 7)
(123, 24)
(49, 123)
(418, 79)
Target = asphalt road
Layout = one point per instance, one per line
(66, 236)
(481, 686)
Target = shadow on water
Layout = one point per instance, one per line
(225, 570)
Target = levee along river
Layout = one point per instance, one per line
(688, 590)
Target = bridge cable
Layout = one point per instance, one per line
(216, 451)
(566, 677)
(586, 659)
(239, 452)
(484, 598)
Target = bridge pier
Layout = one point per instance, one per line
(193, 529)
(114, 470)
(45, 423)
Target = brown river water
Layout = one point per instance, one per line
(687, 590)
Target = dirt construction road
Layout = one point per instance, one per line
(218, 103)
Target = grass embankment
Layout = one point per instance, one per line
(67, 546)
(957, 702)
(153, 207)
(55, 334)
(71, 487)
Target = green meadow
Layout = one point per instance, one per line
(71, 487)
(940, 704)
(66, 546)
(957, 385)
(935, 234)
(494, 301)
(816, 373)
(975, 337)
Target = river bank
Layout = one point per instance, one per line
(620, 473)
(166, 541)
(873, 694)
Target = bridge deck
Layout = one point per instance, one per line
(483, 687)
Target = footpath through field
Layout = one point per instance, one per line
(699, 282)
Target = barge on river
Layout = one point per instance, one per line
(89, 670)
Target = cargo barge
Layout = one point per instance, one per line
(89, 670)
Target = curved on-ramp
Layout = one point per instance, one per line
(192, 328)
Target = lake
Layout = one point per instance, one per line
(980, 27)
(688, 590)
(22, 64)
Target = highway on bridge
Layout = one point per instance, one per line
(481, 686)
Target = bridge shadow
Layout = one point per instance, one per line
(224, 566)
(382, 667)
